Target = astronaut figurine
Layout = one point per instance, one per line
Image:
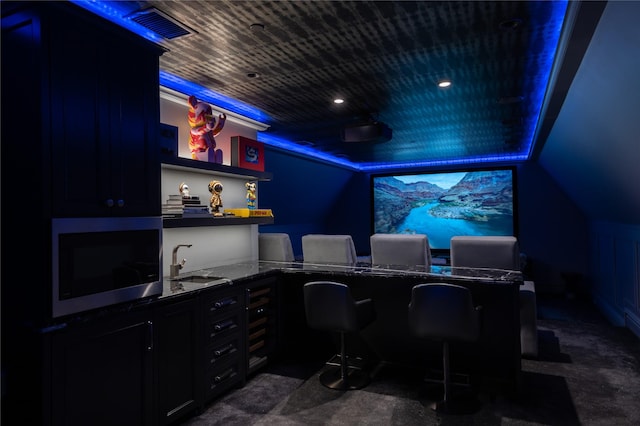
(215, 188)
(251, 194)
(184, 190)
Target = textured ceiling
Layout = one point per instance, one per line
(384, 58)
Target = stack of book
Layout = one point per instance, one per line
(178, 206)
(191, 207)
(173, 207)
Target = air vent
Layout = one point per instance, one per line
(160, 23)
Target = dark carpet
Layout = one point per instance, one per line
(587, 373)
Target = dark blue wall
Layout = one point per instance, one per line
(304, 196)
(309, 196)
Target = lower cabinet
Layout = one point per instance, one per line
(199, 345)
(102, 372)
(178, 348)
(160, 364)
(224, 342)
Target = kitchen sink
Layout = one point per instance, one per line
(195, 282)
(200, 279)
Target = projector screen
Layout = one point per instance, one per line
(445, 204)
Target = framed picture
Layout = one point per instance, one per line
(247, 153)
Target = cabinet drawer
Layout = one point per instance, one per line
(221, 326)
(223, 377)
(223, 350)
(223, 302)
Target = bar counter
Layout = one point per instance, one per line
(228, 274)
(493, 363)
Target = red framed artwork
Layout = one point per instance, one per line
(247, 153)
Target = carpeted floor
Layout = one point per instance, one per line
(587, 373)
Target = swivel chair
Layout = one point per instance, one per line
(329, 306)
(401, 249)
(445, 312)
(325, 248)
(275, 246)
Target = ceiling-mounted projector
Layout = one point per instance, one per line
(375, 132)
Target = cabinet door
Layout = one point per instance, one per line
(105, 115)
(102, 374)
(179, 359)
(134, 107)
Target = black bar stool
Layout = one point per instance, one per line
(445, 312)
(329, 306)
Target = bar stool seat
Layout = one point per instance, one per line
(329, 306)
(445, 313)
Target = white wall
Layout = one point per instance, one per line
(211, 245)
(615, 264)
(174, 109)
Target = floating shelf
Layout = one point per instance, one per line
(187, 164)
(214, 221)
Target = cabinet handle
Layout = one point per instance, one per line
(222, 325)
(149, 336)
(223, 350)
(224, 375)
(109, 202)
(120, 203)
(224, 302)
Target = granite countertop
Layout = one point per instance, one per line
(228, 275)
(237, 273)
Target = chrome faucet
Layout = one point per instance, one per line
(174, 270)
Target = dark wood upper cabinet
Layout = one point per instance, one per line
(85, 110)
(105, 118)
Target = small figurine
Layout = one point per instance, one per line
(251, 194)
(215, 188)
(184, 190)
(204, 130)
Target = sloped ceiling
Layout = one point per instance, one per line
(593, 150)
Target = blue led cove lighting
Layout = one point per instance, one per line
(202, 93)
(115, 11)
(293, 147)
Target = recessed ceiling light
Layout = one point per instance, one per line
(338, 101)
(256, 28)
(444, 83)
(253, 75)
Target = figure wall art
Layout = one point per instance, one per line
(204, 129)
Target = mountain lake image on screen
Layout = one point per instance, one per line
(444, 204)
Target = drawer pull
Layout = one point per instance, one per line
(224, 375)
(222, 325)
(224, 302)
(223, 350)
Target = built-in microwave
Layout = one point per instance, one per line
(98, 262)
